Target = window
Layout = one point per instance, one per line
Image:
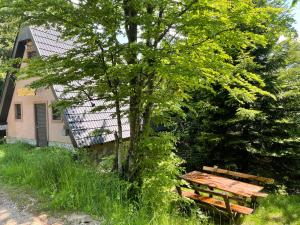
(31, 54)
(30, 50)
(56, 114)
(18, 111)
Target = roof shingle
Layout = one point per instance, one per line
(88, 127)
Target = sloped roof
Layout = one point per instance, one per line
(48, 41)
(82, 122)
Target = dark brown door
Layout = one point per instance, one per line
(41, 124)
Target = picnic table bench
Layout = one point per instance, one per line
(232, 194)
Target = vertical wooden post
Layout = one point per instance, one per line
(178, 188)
(215, 167)
(226, 200)
(211, 195)
(253, 202)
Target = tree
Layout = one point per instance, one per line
(145, 55)
(247, 134)
(8, 28)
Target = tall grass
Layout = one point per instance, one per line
(74, 186)
(276, 209)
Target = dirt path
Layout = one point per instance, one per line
(16, 208)
(12, 214)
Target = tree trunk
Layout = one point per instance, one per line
(135, 122)
(130, 14)
(119, 138)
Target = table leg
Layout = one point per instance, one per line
(253, 202)
(243, 202)
(178, 188)
(211, 195)
(195, 188)
(228, 208)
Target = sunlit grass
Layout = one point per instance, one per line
(65, 184)
(276, 209)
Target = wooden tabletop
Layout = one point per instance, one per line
(222, 183)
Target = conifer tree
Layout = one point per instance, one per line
(261, 133)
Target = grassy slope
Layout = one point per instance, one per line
(65, 184)
(276, 210)
(72, 186)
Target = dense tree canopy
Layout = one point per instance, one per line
(9, 26)
(261, 136)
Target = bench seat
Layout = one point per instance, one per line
(216, 202)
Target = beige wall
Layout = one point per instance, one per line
(25, 128)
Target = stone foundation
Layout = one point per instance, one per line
(61, 145)
(13, 140)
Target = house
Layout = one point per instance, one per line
(27, 115)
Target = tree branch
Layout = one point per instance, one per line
(167, 29)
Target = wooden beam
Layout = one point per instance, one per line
(238, 174)
(218, 203)
(244, 194)
(260, 194)
(220, 194)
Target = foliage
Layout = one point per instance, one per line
(8, 29)
(146, 54)
(69, 185)
(259, 136)
(158, 170)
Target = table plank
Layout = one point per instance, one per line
(226, 184)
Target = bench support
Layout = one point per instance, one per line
(228, 208)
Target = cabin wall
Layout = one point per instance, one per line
(24, 129)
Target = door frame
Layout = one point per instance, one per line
(47, 120)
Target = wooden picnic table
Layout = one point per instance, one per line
(233, 192)
(226, 184)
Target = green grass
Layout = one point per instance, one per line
(64, 185)
(276, 210)
(73, 186)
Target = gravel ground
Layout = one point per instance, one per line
(13, 214)
(18, 212)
